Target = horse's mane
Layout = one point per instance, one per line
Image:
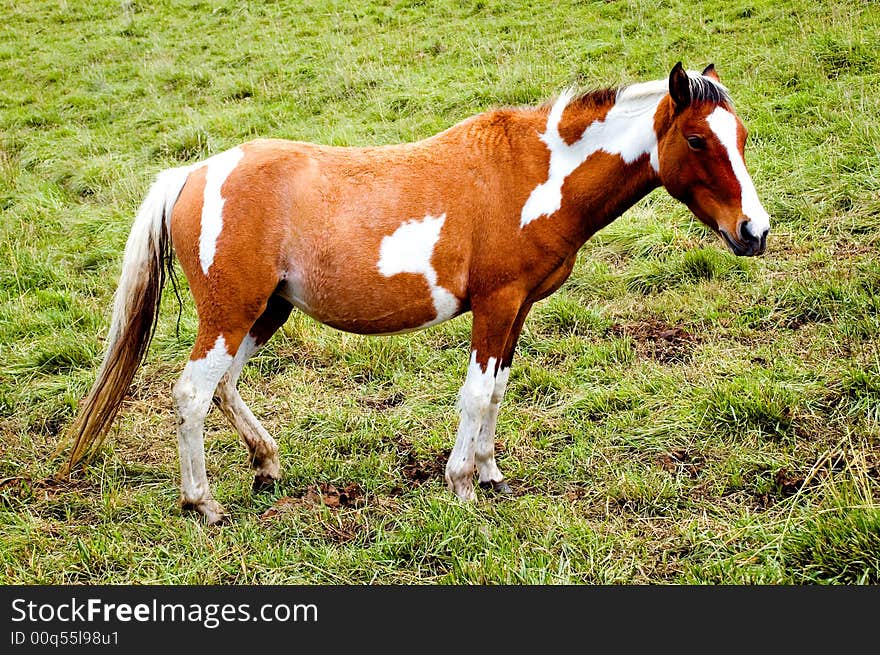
(703, 89)
(596, 98)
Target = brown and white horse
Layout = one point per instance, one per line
(485, 217)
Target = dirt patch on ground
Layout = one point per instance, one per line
(347, 520)
(575, 493)
(320, 494)
(46, 489)
(418, 471)
(787, 482)
(680, 461)
(381, 403)
(668, 344)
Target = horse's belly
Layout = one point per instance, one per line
(372, 304)
(371, 268)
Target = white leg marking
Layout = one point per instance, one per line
(219, 168)
(409, 250)
(627, 130)
(474, 402)
(261, 446)
(485, 451)
(192, 398)
(723, 124)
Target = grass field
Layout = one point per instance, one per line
(675, 414)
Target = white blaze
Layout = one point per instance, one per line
(219, 168)
(409, 250)
(627, 130)
(723, 124)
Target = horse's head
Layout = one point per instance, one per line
(702, 164)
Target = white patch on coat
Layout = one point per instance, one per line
(409, 250)
(723, 124)
(474, 402)
(627, 130)
(219, 168)
(192, 398)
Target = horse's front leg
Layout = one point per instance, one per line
(494, 320)
(489, 474)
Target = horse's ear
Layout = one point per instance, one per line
(711, 72)
(679, 87)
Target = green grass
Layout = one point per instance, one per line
(744, 450)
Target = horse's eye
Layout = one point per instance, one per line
(696, 142)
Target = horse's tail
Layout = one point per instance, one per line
(148, 254)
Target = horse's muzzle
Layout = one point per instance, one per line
(746, 245)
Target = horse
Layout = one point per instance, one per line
(487, 217)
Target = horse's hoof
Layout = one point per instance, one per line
(216, 519)
(500, 487)
(211, 510)
(263, 483)
(464, 491)
(466, 495)
(214, 513)
(462, 485)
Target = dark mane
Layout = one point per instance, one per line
(705, 89)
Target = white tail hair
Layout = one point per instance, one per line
(135, 312)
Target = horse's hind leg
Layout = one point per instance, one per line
(262, 449)
(210, 359)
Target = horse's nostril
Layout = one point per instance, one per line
(747, 236)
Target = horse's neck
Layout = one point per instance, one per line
(603, 159)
